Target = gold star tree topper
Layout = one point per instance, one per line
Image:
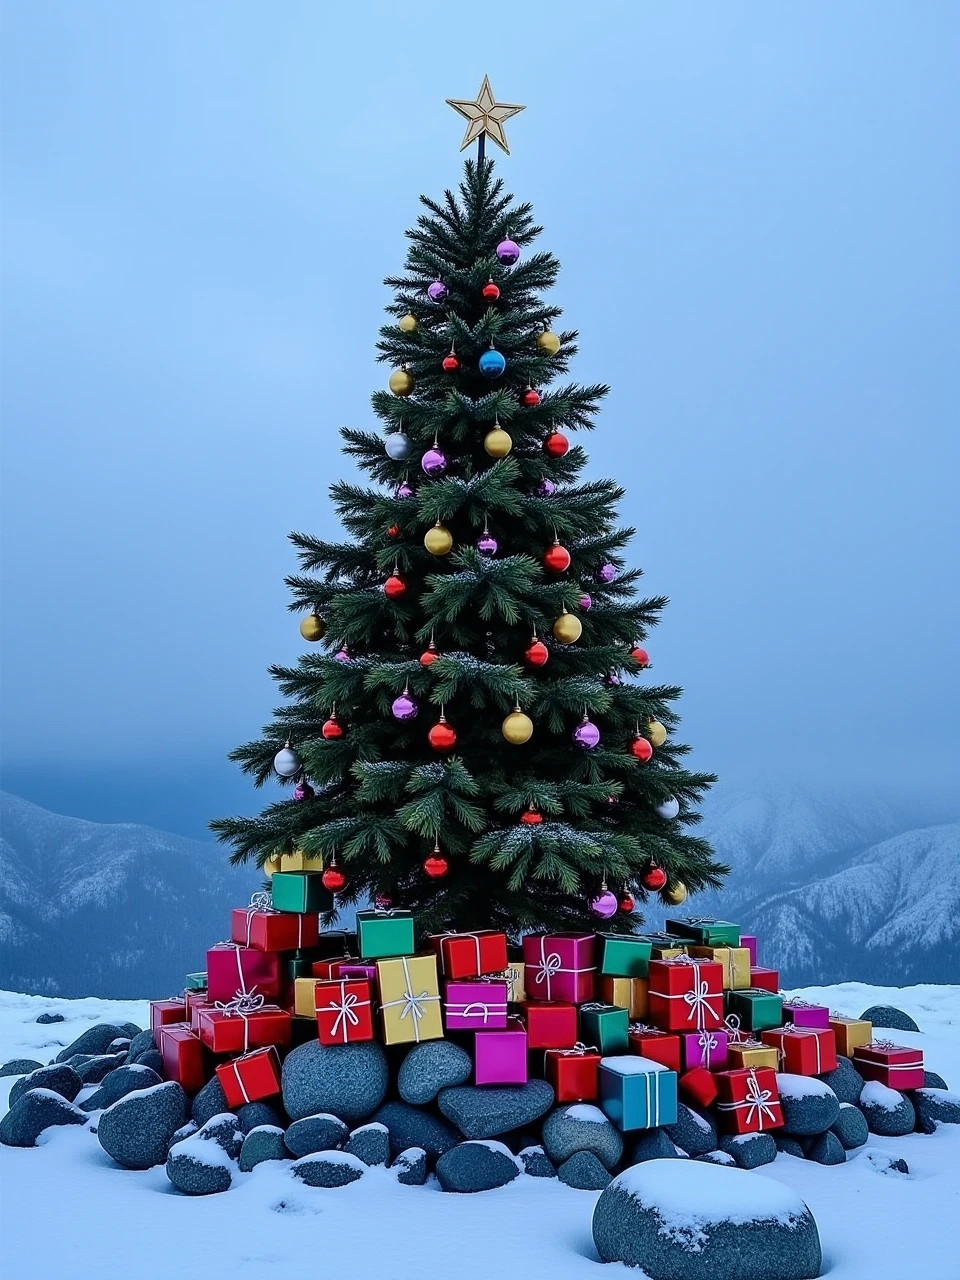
(484, 115)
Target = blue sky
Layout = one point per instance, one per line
(755, 206)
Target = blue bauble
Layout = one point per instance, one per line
(492, 364)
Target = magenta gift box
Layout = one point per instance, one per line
(500, 1057)
(559, 966)
(704, 1049)
(475, 1006)
(749, 941)
(356, 970)
(802, 1014)
(233, 970)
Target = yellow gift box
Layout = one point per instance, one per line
(514, 976)
(409, 999)
(752, 1054)
(735, 962)
(851, 1033)
(305, 997)
(626, 993)
(300, 861)
(667, 953)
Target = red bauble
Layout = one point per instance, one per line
(429, 656)
(640, 655)
(654, 878)
(556, 444)
(626, 902)
(450, 363)
(557, 559)
(334, 880)
(393, 531)
(442, 737)
(332, 728)
(530, 398)
(537, 653)
(436, 866)
(490, 291)
(394, 587)
(641, 748)
(531, 817)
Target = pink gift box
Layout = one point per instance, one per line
(233, 970)
(354, 969)
(704, 1049)
(475, 1006)
(802, 1014)
(500, 1057)
(559, 967)
(749, 941)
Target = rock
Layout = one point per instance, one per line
(930, 1080)
(584, 1172)
(136, 1131)
(315, 1133)
(118, 1084)
(885, 1015)
(20, 1067)
(536, 1163)
(185, 1131)
(672, 1217)
(889, 1112)
(430, 1067)
(94, 1040)
(477, 1166)
(151, 1058)
(224, 1130)
(409, 1127)
(809, 1105)
(694, 1131)
(850, 1127)
(750, 1150)
(34, 1111)
(934, 1107)
(95, 1070)
(826, 1148)
(652, 1144)
(199, 1166)
(719, 1157)
(265, 1142)
(210, 1101)
(489, 1112)
(898, 1166)
(46, 1019)
(411, 1167)
(846, 1081)
(346, 1080)
(370, 1143)
(254, 1115)
(59, 1079)
(140, 1043)
(789, 1146)
(129, 1029)
(581, 1127)
(328, 1168)
(120, 1045)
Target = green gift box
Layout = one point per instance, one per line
(300, 891)
(195, 981)
(758, 1010)
(706, 931)
(636, 1092)
(384, 933)
(605, 1026)
(623, 956)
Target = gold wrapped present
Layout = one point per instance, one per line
(625, 993)
(513, 975)
(751, 1053)
(410, 999)
(305, 997)
(851, 1033)
(300, 861)
(735, 962)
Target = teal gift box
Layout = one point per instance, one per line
(636, 1092)
(300, 891)
(757, 1009)
(623, 956)
(707, 931)
(195, 981)
(384, 933)
(605, 1027)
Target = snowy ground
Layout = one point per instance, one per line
(68, 1212)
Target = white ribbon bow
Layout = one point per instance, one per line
(707, 1042)
(698, 999)
(345, 1014)
(549, 966)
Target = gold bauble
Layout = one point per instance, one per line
(568, 628)
(312, 628)
(517, 728)
(407, 323)
(675, 894)
(548, 343)
(656, 733)
(270, 866)
(438, 540)
(497, 443)
(401, 382)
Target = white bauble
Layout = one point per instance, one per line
(398, 446)
(669, 809)
(287, 762)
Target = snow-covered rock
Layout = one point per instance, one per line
(477, 1166)
(581, 1127)
(32, 1113)
(584, 1172)
(328, 1169)
(136, 1131)
(347, 1080)
(888, 1112)
(809, 1105)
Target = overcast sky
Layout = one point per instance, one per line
(756, 208)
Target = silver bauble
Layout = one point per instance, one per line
(398, 446)
(669, 809)
(287, 762)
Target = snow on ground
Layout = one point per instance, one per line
(67, 1211)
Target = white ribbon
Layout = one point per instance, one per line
(756, 1103)
(887, 1046)
(412, 1004)
(242, 1006)
(477, 1009)
(346, 1011)
(698, 998)
(652, 1081)
(800, 1032)
(552, 964)
(732, 1024)
(707, 1042)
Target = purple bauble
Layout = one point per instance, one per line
(437, 291)
(403, 491)
(342, 655)
(404, 707)
(585, 602)
(612, 801)
(508, 251)
(487, 546)
(546, 489)
(606, 573)
(303, 791)
(604, 905)
(434, 462)
(612, 680)
(586, 735)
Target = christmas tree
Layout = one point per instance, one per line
(476, 737)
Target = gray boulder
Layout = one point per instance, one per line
(129, 1029)
(34, 1111)
(328, 1168)
(809, 1105)
(584, 1172)
(430, 1067)
(45, 1019)
(846, 1081)
(750, 1150)
(118, 1084)
(885, 1015)
(774, 1237)
(136, 1131)
(346, 1080)
(487, 1113)
(315, 1133)
(254, 1115)
(411, 1167)
(23, 1067)
(718, 1157)
(888, 1112)
(185, 1131)
(826, 1148)
(95, 1070)
(581, 1127)
(95, 1040)
(935, 1107)
(477, 1166)
(265, 1142)
(151, 1058)
(120, 1045)
(931, 1080)
(789, 1146)
(209, 1102)
(370, 1143)
(409, 1127)
(59, 1079)
(694, 1132)
(224, 1130)
(652, 1144)
(200, 1167)
(140, 1043)
(536, 1163)
(850, 1127)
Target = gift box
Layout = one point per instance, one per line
(500, 1057)
(703, 1049)
(751, 1053)
(802, 1014)
(803, 1051)
(631, 994)
(705, 931)
(749, 941)
(559, 966)
(384, 933)
(851, 1033)
(765, 979)
(355, 969)
(330, 968)
(305, 997)
(514, 976)
(409, 999)
(606, 1027)
(748, 1101)
(470, 955)
(164, 1013)
(573, 1073)
(196, 1008)
(623, 956)
(250, 1078)
(191, 999)
(637, 1093)
(240, 1029)
(476, 1005)
(335, 944)
(196, 981)
(894, 1065)
(300, 891)
(757, 1010)
(243, 971)
(686, 994)
(734, 961)
(549, 1026)
(659, 1046)
(182, 1055)
(299, 964)
(269, 930)
(667, 946)
(300, 861)
(698, 1086)
(344, 1011)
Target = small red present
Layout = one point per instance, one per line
(803, 1051)
(699, 1085)
(549, 1026)
(344, 1011)
(765, 979)
(163, 1013)
(265, 929)
(234, 971)
(686, 994)
(894, 1065)
(241, 1026)
(248, 1079)
(182, 1055)
(198, 1007)
(191, 1000)
(328, 968)
(651, 1042)
(748, 1100)
(470, 955)
(573, 1073)
(559, 966)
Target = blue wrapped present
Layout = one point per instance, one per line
(636, 1092)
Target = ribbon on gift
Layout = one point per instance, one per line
(345, 1009)
(796, 1003)
(259, 901)
(756, 1103)
(644, 1029)
(243, 1005)
(412, 1005)
(596, 1006)
(699, 919)
(453, 933)
(707, 1042)
(698, 998)
(732, 1024)
(652, 1082)
(887, 1046)
(798, 1032)
(476, 1009)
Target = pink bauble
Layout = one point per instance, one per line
(586, 735)
(403, 491)
(586, 602)
(487, 545)
(434, 462)
(404, 707)
(546, 488)
(303, 791)
(606, 573)
(508, 251)
(437, 291)
(342, 655)
(604, 905)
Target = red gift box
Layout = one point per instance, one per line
(686, 994)
(198, 1007)
(470, 955)
(765, 979)
(182, 1055)
(699, 1085)
(344, 1011)
(804, 1051)
(163, 1013)
(243, 971)
(248, 1079)
(327, 968)
(894, 1065)
(559, 966)
(239, 1029)
(651, 1042)
(261, 927)
(191, 1000)
(573, 1073)
(748, 1100)
(549, 1026)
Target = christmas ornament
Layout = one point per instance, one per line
(530, 398)
(546, 488)
(401, 382)
(640, 655)
(675, 894)
(568, 628)
(517, 728)
(271, 866)
(312, 628)
(654, 878)
(435, 867)
(669, 809)
(530, 817)
(429, 655)
(393, 531)
(490, 291)
(586, 734)
(450, 362)
(656, 732)
(626, 902)
(404, 707)
(536, 653)
(383, 902)
(487, 543)
(303, 790)
(612, 680)
(604, 904)
(612, 801)
(556, 444)
(497, 442)
(437, 291)
(394, 587)
(556, 559)
(333, 878)
(606, 573)
(548, 343)
(586, 602)
(407, 323)
(442, 737)
(438, 540)
(403, 491)
(332, 728)
(287, 762)
(485, 117)
(641, 748)
(434, 461)
(342, 655)
(398, 446)
(508, 251)
(492, 363)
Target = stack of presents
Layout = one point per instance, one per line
(630, 1023)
